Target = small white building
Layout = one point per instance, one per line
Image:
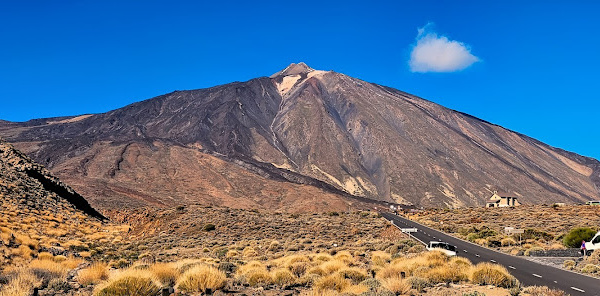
(502, 199)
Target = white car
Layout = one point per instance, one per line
(443, 247)
(593, 244)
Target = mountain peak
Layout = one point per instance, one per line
(294, 69)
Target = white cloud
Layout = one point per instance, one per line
(433, 53)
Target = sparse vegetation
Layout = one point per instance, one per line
(545, 227)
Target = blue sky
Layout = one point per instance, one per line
(535, 66)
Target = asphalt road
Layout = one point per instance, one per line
(527, 272)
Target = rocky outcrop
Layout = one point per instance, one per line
(26, 182)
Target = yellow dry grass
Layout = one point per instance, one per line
(165, 273)
(283, 277)
(130, 282)
(380, 258)
(355, 289)
(22, 285)
(344, 256)
(397, 285)
(201, 278)
(333, 282)
(54, 268)
(492, 274)
(332, 266)
(94, 274)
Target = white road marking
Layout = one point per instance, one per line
(577, 289)
(511, 267)
(494, 261)
(537, 275)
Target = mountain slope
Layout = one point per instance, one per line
(300, 125)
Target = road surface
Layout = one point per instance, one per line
(527, 272)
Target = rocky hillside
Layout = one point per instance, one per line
(299, 136)
(41, 215)
(24, 183)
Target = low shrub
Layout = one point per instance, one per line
(355, 290)
(417, 283)
(332, 282)
(21, 285)
(94, 274)
(49, 268)
(569, 264)
(533, 249)
(209, 227)
(45, 256)
(330, 267)
(131, 282)
(165, 273)
(508, 241)
(590, 268)
(255, 274)
(492, 274)
(299, 268)
(397, 285)
(355, 275)
(542, 291)
(249, 252)
(201, 278)
(283, 277)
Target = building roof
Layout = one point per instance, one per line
(505, 194)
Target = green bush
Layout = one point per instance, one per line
(575, 236)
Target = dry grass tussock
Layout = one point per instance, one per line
(165, 273)
(21, 285)
(94, 274)
(201, 278)
(397, 285)
(130, 282)
(492, 274)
